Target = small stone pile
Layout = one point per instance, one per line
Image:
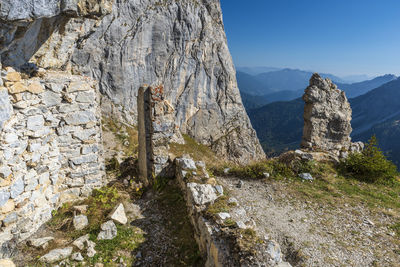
(50, 149)
(82, 245)
(327, 119)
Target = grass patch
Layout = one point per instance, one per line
(229, 222)
(100, 204)
(333, 188)
(127, 240)
(196, 151)
(275, 168)
(249, 240)
(126, 135)
(171, 200)
(219, 205)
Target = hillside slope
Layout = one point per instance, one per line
(279, 125)
(360, 88)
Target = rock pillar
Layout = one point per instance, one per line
(157, 129)
(327, 118)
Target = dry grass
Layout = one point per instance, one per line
(126, 137)
(196, 151)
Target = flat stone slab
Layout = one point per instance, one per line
(40, 242)
(56, 255)
(118, 214)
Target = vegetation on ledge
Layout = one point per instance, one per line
(370, 165)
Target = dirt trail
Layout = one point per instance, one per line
(316, 234)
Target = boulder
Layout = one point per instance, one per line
(202, 193)
(80, 242)
(90, 252)
(77, 256)
(108, 231)
(40, 242)
(274, 250)
(56, 255)
(306, 176)
(186, 164)
(80, 222)
(118, 214)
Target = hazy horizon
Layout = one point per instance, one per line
(340, 37)
(239, 68)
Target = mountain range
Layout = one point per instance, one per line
(289, 84)
(279, 125)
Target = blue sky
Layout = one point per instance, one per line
(342, 37)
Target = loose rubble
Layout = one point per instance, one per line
(56, 255)
(108, 231)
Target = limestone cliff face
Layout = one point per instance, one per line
(180, 45)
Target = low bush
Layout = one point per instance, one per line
(371, 165)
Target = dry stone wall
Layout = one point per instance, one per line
(50, 147)
(227, 238)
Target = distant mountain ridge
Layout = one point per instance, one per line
(360, 88)
(289, 84)
(279, 125)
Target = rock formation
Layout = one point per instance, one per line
(178, 44)
(327, 118)
(157, 129)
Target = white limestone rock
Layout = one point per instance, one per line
(118, 214)
(202, 193)
(40, 242)
(108, 231)
(80, 222)
(81, 241)
(90, 252)
(77, 256)
(56, 255)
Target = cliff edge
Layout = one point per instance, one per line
(179, 45)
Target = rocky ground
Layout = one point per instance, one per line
(157, 230)
(314, 232)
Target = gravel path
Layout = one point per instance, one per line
(317, 234)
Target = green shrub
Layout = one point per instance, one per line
(371, 165)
